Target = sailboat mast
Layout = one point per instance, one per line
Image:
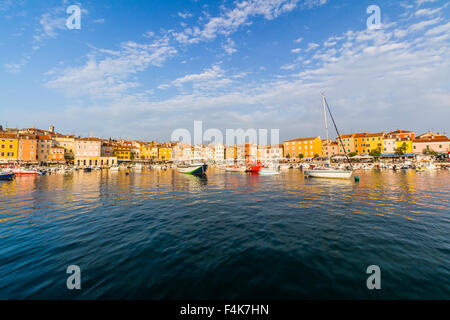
(325, 115)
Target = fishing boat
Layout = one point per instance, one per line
(193, 168)
(7, 175)
(330, 172)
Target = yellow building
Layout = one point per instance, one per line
(123, 153)
(67, 142)
(366, 142)
(308, 147)
(9, 147)
(405, 143)
(149, 151)
(165, 153)
(231, 153)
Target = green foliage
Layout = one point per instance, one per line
(352, 154)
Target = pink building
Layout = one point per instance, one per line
(431, 141)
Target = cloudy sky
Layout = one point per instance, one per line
(141, 69)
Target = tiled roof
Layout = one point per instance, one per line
(301, 139)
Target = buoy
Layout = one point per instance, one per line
(356, 178)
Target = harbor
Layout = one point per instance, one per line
(151, 233)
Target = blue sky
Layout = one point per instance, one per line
(141, 69)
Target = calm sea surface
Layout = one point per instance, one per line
(164, 235)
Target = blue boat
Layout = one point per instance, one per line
(7, 176)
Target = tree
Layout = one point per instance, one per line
(401, 150)
(352, 154)
(300, 156)
(288, 156)
(316, 156)
(430, 152)
(375, 153)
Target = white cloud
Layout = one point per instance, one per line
(311, 46)
(298, 40)
(231, 19)
(296, 50)
(108, 76)
(184, 15)
(229, 47)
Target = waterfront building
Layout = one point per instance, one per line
(122, 152)
(349, 143)
(431, 142)
(270, 153)
(389, 145)
(149, 151)
(136, 148)
(231, 154)
(366, 142)
(9, 144)
(219, 153)
(57, 154)
(93, 152)
(44, 144)
(401, 134)
(308, 147)
(405, 144)
(329, 148)
(165, 152)
(27, 148)
(67, 142)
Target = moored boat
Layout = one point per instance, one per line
(21, 172)
(329, 173)
(269, 171)
(236, 169)
(193, 168)
(7, 175)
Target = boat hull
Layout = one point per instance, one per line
(7, 176)
(196, 169)
(331, 174)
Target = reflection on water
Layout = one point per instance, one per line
(162, 234)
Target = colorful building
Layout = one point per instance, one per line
(27, 148)
(9, 147)
(67, 142)
(349, 143)
(122, 152)
(44, 144)
(308, 147)
(366, 142)
(329, 148)
(165, 152)
(431, 142)
(57, 154)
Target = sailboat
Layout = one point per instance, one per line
(329, 172)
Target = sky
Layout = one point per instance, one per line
(141, 69)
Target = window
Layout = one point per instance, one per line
(10, 146)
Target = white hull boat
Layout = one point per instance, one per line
(268, 171)
(325, 173)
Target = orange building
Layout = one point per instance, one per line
(349, 143)
(27, 148)
(57, 154)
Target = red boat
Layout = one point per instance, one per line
(21, 172)
(254, 167)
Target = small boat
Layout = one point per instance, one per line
(254, 168)
(114, 168)
(236, 169)
(28, 172)
(7, 175)
(269, 171)
(199, 168)
(425, 165)
(329, 173)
